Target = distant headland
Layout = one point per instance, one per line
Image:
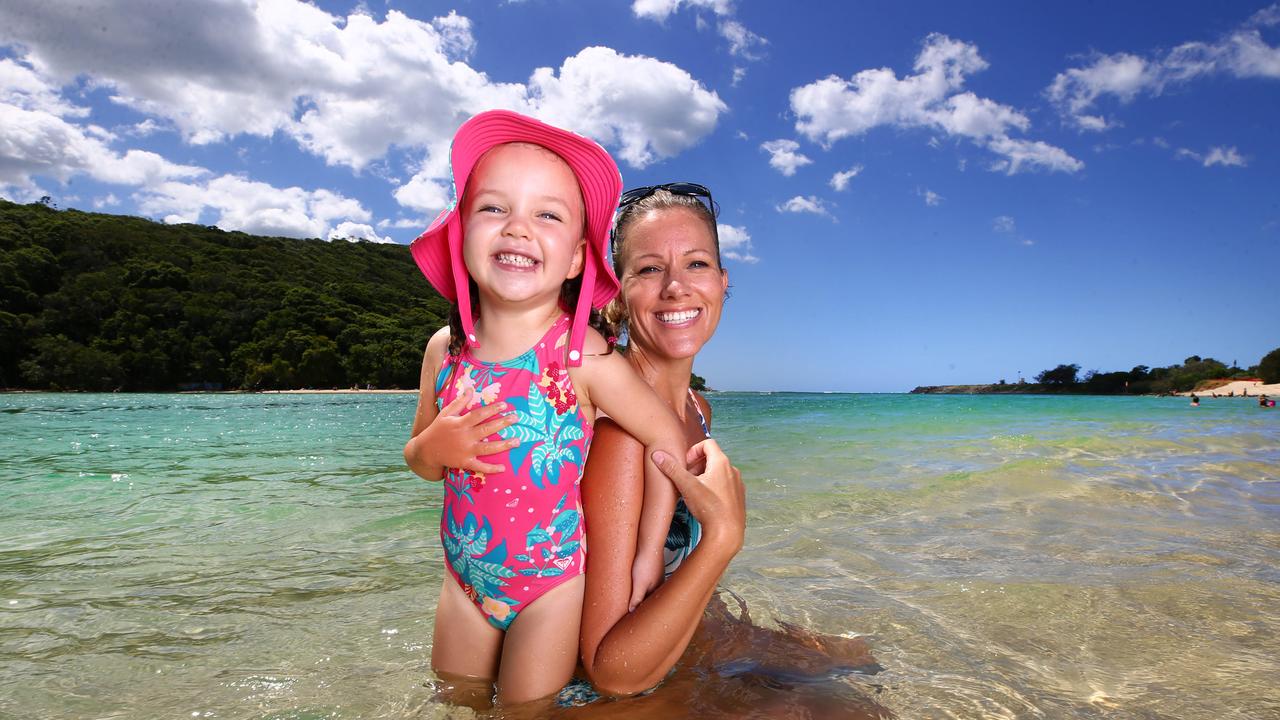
(1195, 374)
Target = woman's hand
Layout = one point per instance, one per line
(716, 497)
(457, 440)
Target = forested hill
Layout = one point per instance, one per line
(104, 302)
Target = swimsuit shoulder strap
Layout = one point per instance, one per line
(701, 418)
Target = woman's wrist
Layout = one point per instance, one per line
(721, 542)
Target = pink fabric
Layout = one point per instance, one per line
(509, 537)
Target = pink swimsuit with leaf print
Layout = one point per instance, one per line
(510, 537)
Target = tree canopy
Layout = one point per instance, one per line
(101, 302)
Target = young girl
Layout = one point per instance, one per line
(526, 243)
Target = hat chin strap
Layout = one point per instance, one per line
(462, 284)
(581, 314)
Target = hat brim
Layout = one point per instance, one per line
(438, 250)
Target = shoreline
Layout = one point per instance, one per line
(1238, 387)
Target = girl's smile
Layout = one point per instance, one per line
(523, 225)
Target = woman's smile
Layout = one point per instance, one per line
(677, 318)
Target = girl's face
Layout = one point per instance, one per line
(671, 283)
(522, 225)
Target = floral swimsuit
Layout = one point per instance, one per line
(512, 536)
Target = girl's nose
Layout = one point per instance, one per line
(515, 227)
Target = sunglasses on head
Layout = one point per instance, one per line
(688, 189)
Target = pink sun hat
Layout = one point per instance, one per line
(438, 251)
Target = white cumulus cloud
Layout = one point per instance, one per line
(346, 89)
(805, 204)
(1225, 156)
(841, 179)
(647, 108)
(238, 203)
(933, 98)
(1242, 53)
(784, 156)
(1004, 224)
(356, 231)
(735, 243)
(742, 42)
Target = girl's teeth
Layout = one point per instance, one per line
(520, 260)
(678, 317)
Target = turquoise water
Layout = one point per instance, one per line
(268, 556)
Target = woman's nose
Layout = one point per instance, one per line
(674, 286)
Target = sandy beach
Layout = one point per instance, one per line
(1238, 387)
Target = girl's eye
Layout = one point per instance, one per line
(488, 209)
(549, 216)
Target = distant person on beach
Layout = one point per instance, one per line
(667, 256)
(526, 246)
(1195, 401)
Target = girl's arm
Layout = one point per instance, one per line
(625, 653)
(614, 387)
(451, 437)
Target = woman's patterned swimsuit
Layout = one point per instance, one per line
(512, 536)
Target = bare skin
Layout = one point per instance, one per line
(522, 224)
(674, 290)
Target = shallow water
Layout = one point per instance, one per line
(269, 556)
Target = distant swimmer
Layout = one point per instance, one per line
(1195, 401)
(1264, 402)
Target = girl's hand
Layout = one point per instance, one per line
(456, 439)
(646, 576)
(716, 497)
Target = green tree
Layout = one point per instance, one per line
(1269, 367)
(63, 364)
(1062, 375)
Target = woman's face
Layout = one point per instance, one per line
(672, 285)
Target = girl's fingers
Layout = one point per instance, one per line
(478, 465)
(486, 412)
(493, 447)
(459, 403)
(495, 425)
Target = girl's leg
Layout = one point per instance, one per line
(463, 642)
(541, 648)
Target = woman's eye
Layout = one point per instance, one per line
(699, 264)
(648, 270)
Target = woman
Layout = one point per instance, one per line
(673, 289)
(667, 257)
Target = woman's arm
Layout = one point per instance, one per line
(625, 653)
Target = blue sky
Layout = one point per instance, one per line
(911, 193)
